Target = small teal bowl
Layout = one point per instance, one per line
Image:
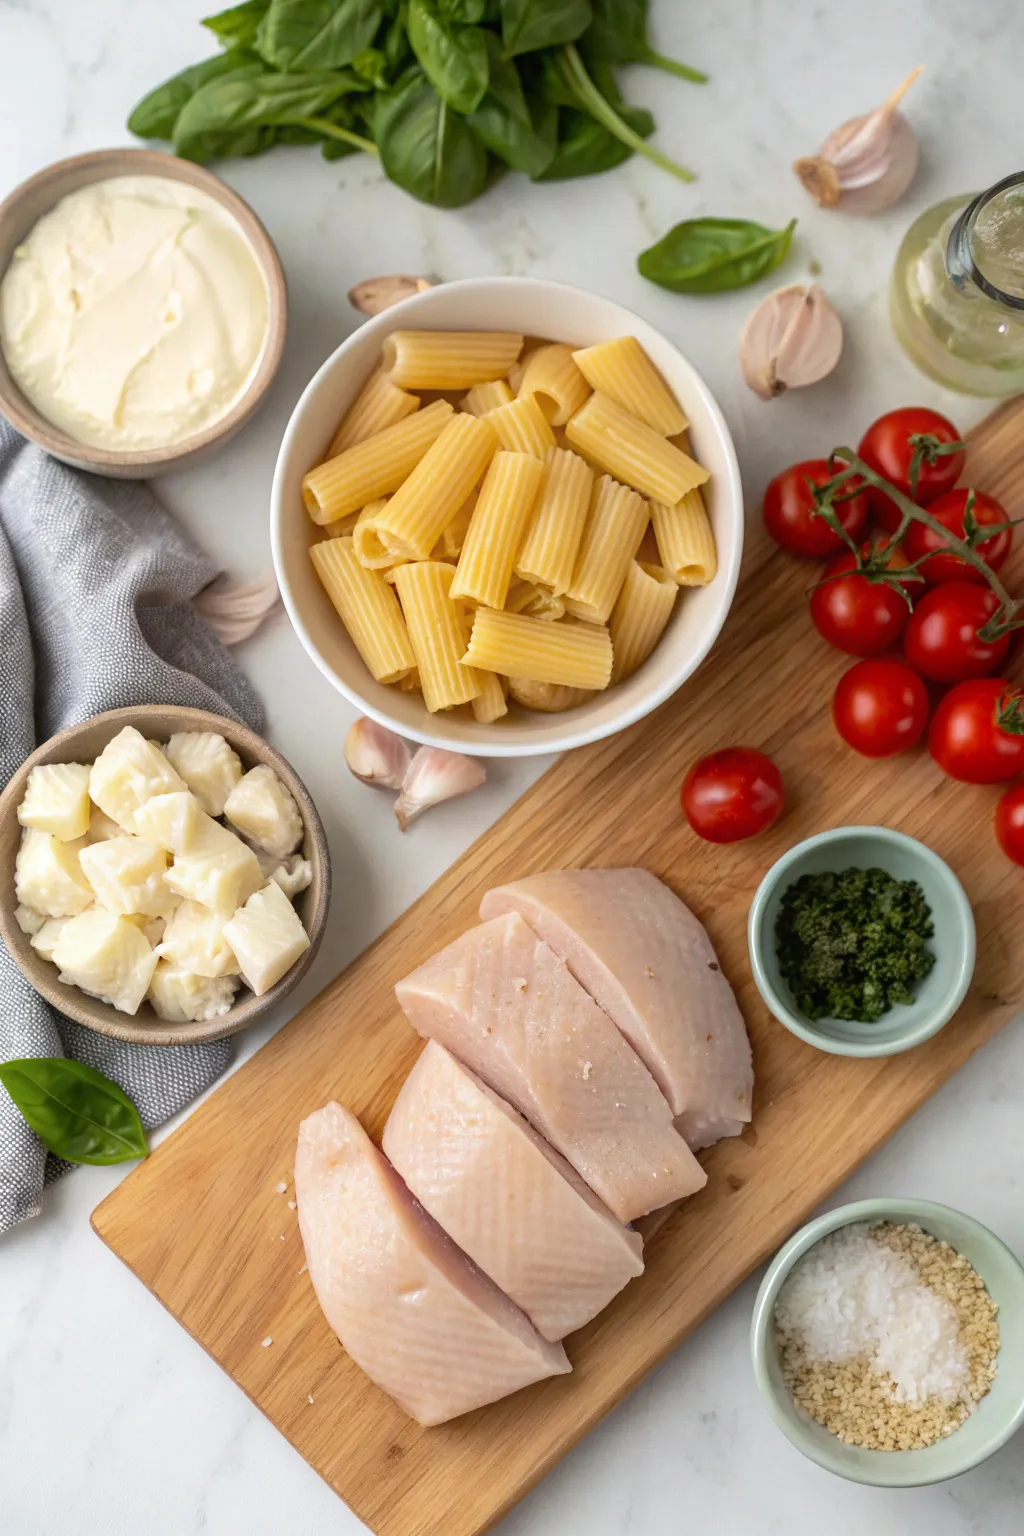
(937, 997)
(997, 1417)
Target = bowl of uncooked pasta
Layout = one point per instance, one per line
(507, 517)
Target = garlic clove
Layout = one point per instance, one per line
(435, 775)
(866, 164)
(375, 294)
(793, 338)
(376, 755)
(234, 613)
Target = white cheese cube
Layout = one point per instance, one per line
(210, 768)
(48, 876)
(29, 921)
(194, 941)
(267, 938)
(107, 957)
(57, 800)
(181, 995)
(45, 941)
(265, 810)
(127, 874)
(129, 771)
(102, 826)
(293, 876)
(222, 877)
(172, 821)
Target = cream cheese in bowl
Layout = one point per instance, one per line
(134, 314)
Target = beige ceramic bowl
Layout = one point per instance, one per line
(25, 207)
(83, 743)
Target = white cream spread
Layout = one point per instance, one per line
(134, 314)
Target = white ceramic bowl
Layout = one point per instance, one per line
(536, 308)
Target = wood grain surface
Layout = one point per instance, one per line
(200, 1221)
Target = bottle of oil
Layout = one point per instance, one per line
(957, 291)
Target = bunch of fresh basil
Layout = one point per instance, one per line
(449, 93)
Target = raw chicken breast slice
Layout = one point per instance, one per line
(512, 1203)
(648, 962)
(410, 1308)
(501, 1001)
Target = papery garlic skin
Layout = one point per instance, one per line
(433, 776)
(375, 294)
(793, 338)
(376, 755)
(866, 164)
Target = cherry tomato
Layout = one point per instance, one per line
(941, 640)
(1010, 824)
(880, 707)
(790, 518)
(949, 510)
(854, 614)
(732, 794)
(977, 733)
(888, 447)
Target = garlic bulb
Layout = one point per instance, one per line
(376, 755)
(375, 294)
(868, 163)
(433, 776)
(794, 337)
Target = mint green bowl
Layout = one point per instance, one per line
(936, 998)
(999, 1414)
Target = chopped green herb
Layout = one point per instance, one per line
(851, 944)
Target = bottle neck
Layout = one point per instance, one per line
(961, 263)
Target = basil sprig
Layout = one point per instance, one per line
(75, 1111)
(714, 255)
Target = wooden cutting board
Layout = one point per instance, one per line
(203, 1226)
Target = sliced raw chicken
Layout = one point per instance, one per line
(410, 1308)
(516, 1207)
(644, 957)
(501, 1001)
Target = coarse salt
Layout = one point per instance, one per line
(279, 1189)
(267, 1342)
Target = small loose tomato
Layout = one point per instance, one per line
(880, 707)
(977, 733)
(941, 640)
(854, 614)
(890, 446)
(1010, 824)
(732, 794)
(949, 510)
(791, 520)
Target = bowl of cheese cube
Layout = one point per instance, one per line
(507, 517)
(164, 875)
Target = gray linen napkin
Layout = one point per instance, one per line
(96, 582)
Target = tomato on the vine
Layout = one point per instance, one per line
(791, 520)
(942, 641)
(890, 446)
(732, 794)
(854, 614)
(1009, 821)
(949, 510)
(977, 732)
(880, 707)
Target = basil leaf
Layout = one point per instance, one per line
(503, 121)
(713, 255)
(317, 34)
(527, 25)
(76, 1112)
(220, 110)
(396, 44)
(426, 148)
(585, 148)
(239, 24)
(156, 114)
(372, 65)
(619, 36)
(454, 59)
(470, 12)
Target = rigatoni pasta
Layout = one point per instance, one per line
(437, 630)
(632, 451)
(489, 704)
(554, 380)
(379, 404)
(622, 370)
(486, 397)
(448, 359)
(372, 468)
(549, 551)
(529, 597)
(686, 544)
(615, 526)
(366, 540)
(642, 609)
(522, 427)
(575, 655)
(496, 528)
(368, 609)
(425, 503)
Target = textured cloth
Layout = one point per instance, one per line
(96, 582)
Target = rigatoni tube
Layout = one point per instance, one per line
(448, 359)
(575, 655)
(489, 704)
(379, 404)
(622, 370)
(615, 526)
(686, 544)
(555, 382)
(425, 503)
(486, 397)
(496, 528)
(632, 451)
(641, 611)
(522, 427)
(368, 609)
(437, 629)
(372, 468)
(553, 539)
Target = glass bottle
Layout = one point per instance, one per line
(957, 293)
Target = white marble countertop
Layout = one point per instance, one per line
(111, 1419)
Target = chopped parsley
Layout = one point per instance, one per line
(851, 944)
